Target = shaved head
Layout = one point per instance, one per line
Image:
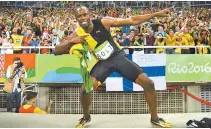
(83, 17)
(81, 9)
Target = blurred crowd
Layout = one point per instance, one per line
(51, 26)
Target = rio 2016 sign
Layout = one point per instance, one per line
(66, 68)
(188, 68)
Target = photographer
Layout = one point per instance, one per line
(16, 73)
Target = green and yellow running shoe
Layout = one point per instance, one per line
(82, 122)
(161, 123)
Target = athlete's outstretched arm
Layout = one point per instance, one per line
(134, 20)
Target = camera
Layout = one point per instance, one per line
(19, 65)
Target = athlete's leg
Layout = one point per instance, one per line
(149, 92)
(99, 73)
(150, 96)
(86, 99)
(133, 72)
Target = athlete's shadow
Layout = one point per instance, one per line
(88, 126)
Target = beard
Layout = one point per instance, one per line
(85, 25)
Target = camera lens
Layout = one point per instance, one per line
(19, 65)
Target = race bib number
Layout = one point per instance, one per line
(104, 51)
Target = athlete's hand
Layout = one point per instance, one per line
(163, 13)
(74, 39)
(78, 39)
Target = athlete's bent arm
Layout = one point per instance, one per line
(65, 46)
(134, 20)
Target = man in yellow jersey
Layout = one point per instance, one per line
(111, 58)
(188, 41)
(170, 41)
(18, 39)
(29, 106)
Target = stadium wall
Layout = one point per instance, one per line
(190, 73)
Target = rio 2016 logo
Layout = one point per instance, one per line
(190, 67)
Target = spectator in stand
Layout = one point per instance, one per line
(165, 27)
(131, 38)
(172, 26)
(8, 31)
(204, 40)
(4, 42)
(45, 43)
(26, 40)
(8, 43)
(113, 31)
(190, 42)
(132, 35)
(17, 26)
(184, 42)
(37, 26)
(178, 43)
(155, 25)
(0, 43)
(150, 40)
(24, 31)
(2, 27)
(35, 41)
(18, 40)
(138, 41)
(209, 25)
(195, 35)
(160, 31)
(46, 21)
(160, 41)
(61, 31)
(45, 33)
(177, 30)
(11, 44)
(125, 41)
(118, 34)
(55, 38)
(170, 41)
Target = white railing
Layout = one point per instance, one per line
(28, 47)
(144, 47)
(166, 47)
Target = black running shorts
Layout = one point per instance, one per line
(117, 63)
